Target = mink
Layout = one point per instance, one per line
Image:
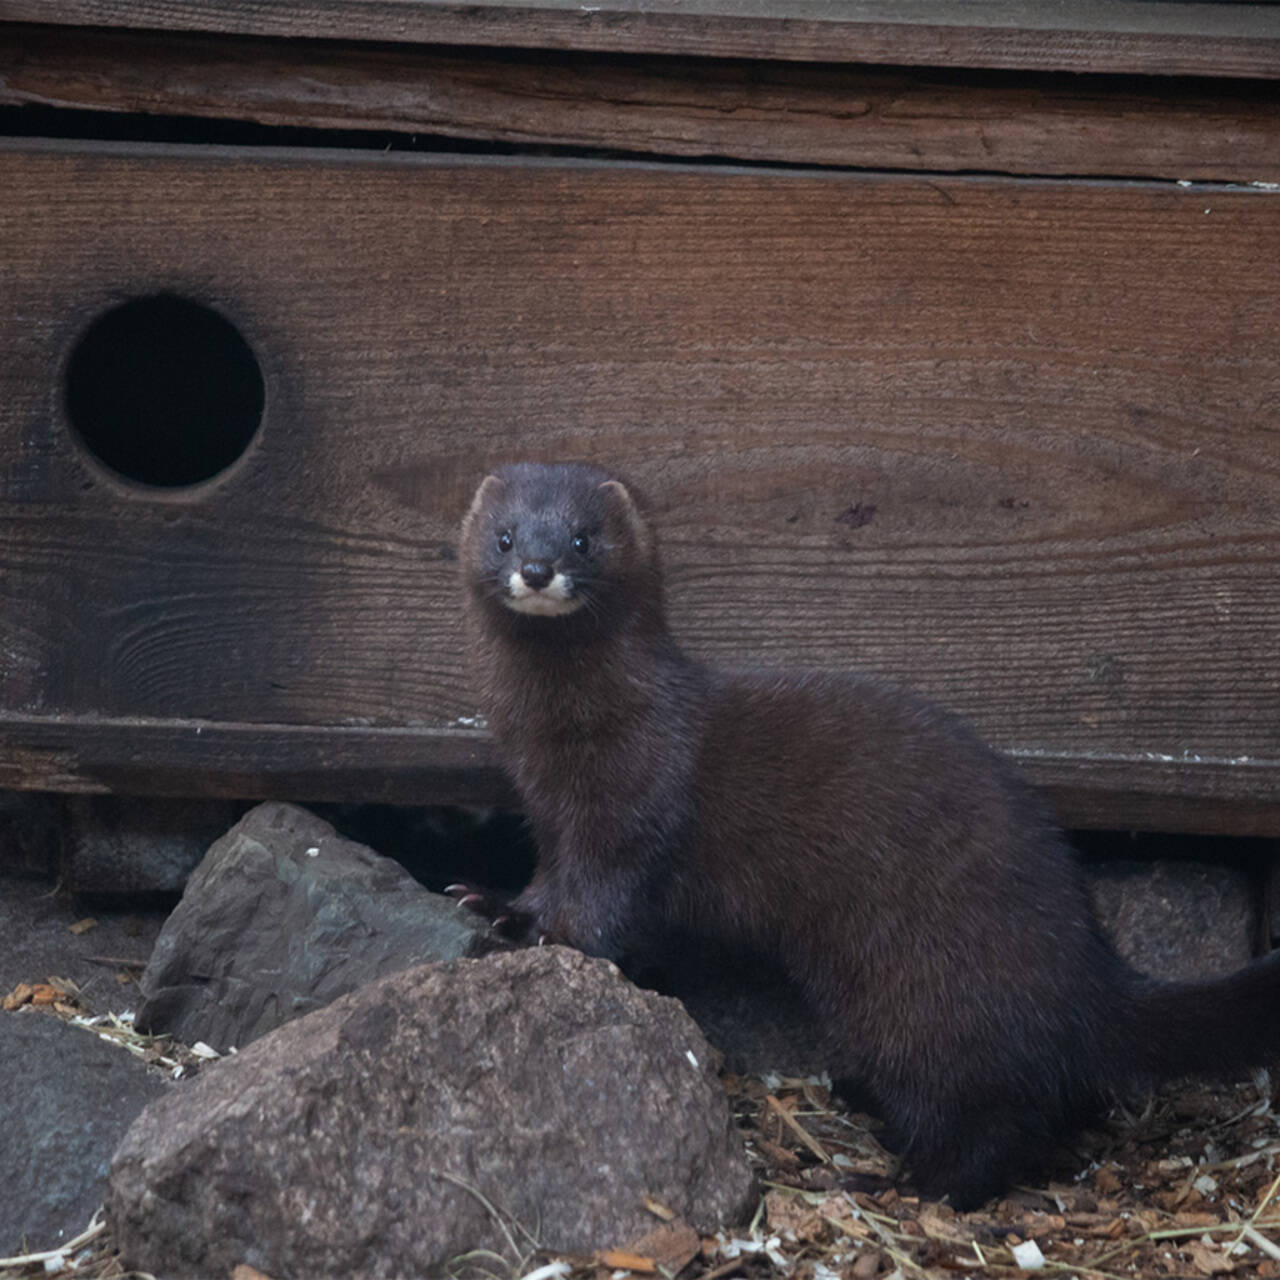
(901, 872)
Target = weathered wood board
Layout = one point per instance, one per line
(1149, 37)
(1013, 441)
(868, 117)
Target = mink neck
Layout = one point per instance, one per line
(575, 678)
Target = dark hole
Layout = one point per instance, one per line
(164, 391)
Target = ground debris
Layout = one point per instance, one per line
(1187, 1189)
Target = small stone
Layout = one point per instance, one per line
(1028, 1256)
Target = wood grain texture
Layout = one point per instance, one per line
(1012, 441)
(863, 117)
(251, 761)
(459, 766)
(1118, 36)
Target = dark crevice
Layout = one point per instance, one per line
(41, 122)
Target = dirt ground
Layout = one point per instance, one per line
(36, 937)
(1187, 1188)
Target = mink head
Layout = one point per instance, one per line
(557, 542)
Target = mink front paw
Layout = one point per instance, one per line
(506, 919)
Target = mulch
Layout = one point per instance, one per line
(1187, 1188)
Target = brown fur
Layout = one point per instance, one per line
(896, 868)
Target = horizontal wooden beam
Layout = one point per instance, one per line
(134, 755)
(459, 766)
(1107, 36)
(861, 117)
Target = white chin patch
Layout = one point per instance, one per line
(551, 601)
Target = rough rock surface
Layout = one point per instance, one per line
(61, 1118)
(282, 916)
(370, 1138)
(1176, 920)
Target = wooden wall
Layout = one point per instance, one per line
(1011, 436)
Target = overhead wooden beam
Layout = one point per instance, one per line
(1098, 36)
(863, 117)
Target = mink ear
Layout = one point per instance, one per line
(620, 500)
(489, 486)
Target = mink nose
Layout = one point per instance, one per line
(536, 573)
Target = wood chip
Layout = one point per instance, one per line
(1187, 1218)
(672, 1247)
(658, 1209)
(724, 1269)
(19, 996)
(868, 1265)
(1209, 1260)
(43, 993)
(620, 1260)
(775, 1154)
(784, 1114)
(82, 926)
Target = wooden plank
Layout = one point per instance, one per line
(250, 761)
(1009, 440)
(1112, 36)
(864, 117)
(458, 766)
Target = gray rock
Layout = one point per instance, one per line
(1176, 920)
(442, 1110)
(133, 844)
(66, 1099)
(282, 916)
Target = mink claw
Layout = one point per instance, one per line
(493, 907)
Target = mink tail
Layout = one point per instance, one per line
(1208, 1027)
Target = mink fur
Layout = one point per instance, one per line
(895, 867)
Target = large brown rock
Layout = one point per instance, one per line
(534, 1094)
(282, 916)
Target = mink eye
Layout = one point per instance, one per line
(504, 541)
(580, 543)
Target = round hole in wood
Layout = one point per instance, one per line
(164, 391)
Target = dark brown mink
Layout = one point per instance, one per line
(898, 869)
